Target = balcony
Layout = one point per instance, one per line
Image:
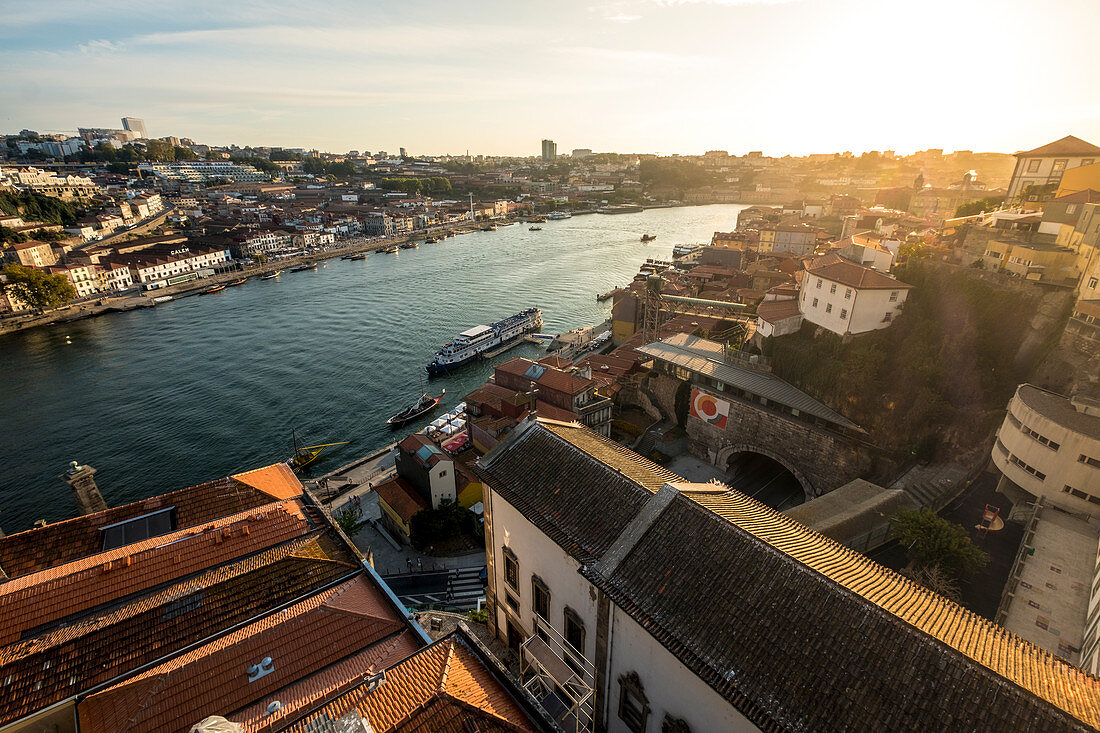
(558, 677)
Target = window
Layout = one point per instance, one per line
(819, 283)
(847, 293)
(1093, 282)
(1089, 461)
(1039, 438)
(512, 601)
(139, 528)
(887, 317)
(1033, 166)
(1059, 165)
(674, 725)
(540, 595)
(574, 630)
(828, 307)
(832, 288)
(511, 568)
(1088, 161)
(633, 705)
(815, 302)
(1071, 208)
(893, 296)
(844, 313)
(1030, 469)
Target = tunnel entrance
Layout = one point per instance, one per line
(764, 479)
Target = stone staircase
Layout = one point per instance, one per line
(466, 587)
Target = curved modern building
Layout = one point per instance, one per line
(1049, 446)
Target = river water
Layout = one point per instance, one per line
(204, 386)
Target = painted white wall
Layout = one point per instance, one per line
(669, 686)
(539, 555)
(843, 309)
(441, 482)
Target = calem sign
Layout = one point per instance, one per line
(709, 408)
(181, 251)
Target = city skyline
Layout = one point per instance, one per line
(785, 77)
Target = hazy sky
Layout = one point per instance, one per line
(794, 76)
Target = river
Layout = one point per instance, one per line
(204, 386)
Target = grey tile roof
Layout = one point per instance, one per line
(705, 357)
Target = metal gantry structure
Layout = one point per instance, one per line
(656, 304)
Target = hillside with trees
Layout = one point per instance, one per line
(934, 382)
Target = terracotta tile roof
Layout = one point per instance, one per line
(1086, 196)
(578, 487)
(1069, 145)
(44, 597)
(96, 648)
(885, 641)
(55, 544)
(277, 481)
(305, 694)
(492, 395)
(853, 275)
(319, 631)
(550, 378)
(401, 497)
(774, 311)
(443, 687)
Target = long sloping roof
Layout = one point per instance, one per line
(705, 357)
(801, 633)
(578, 487)
(1069, 145)
(795, 630)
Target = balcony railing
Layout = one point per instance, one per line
(560, 678)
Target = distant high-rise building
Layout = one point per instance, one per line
(403, 154)
(579, 153)
(134, 125)
(549, 150)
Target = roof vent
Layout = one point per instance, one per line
(265, 667)
(274, 706)
(375, 681)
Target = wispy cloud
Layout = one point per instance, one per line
(101, 46)
(622, 18)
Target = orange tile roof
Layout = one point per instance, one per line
(851, 274)
(442, 684)
(276, 480)
(49, 595)
(313, 634)
(401, 497)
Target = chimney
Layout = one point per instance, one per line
(81, 479)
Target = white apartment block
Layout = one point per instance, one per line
(847, 298)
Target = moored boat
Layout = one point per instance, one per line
(555, 215)
(307, 454)
(534, 229)
(422, 406)
(235, 283)
(470, 344)
(272, 275)
(648, 237)
(410, 245)
(391, 250)
(213, 289)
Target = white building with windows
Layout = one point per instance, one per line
(638, 602)
(1045, 165)
(161, 266)
(847, 298)
(1049, 446)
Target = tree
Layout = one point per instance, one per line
(347, 520)
(930, 541)
(977, 207)
(37, 288)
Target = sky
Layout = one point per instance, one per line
(494, 78)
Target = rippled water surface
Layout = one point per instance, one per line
(205, 386)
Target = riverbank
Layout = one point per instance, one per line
(133, 300)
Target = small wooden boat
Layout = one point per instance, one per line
(423, 406)
(272, 275)
(235, 283)
(213, 289)
(307, 454)
(303, 268)
(534, 229)
(648, 237)
(410, 245)
(391, 250)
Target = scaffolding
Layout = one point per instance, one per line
(655, 304)
(560, 678)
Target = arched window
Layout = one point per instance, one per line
(674, 725)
